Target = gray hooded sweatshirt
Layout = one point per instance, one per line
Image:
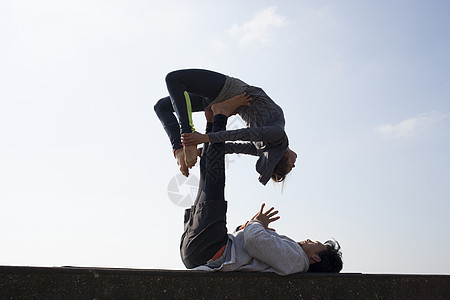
(265, 128)
(260, 250)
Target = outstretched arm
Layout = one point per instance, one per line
(240, 148)
(254, 134)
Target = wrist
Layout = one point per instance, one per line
(256, 221)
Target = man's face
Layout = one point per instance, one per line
(312, 248)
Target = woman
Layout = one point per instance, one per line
(196, 90)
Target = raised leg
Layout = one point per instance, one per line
(205, 222)
(165, 112)
(182, 84)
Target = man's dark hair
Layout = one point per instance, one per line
(330, 259)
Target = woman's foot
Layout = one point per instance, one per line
(190, 155)
(179, 155)
(229, 107)
(209, 115)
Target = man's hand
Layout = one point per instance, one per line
(267, 217)
(195, 138)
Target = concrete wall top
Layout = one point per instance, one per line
(100, 283)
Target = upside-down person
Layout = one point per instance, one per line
(194, 90)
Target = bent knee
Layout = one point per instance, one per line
(172, 76)
(157, 106)
(162, 104)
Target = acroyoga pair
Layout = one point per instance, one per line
(206, 243)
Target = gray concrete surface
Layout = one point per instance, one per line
(101, 283)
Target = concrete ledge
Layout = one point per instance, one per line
(100, 283)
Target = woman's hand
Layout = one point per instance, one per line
(195, 138)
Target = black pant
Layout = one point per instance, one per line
(205, 230)
(190, 90)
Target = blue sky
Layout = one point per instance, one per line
(87, 174)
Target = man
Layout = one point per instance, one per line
(206, 244)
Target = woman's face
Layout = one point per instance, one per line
(292, 157)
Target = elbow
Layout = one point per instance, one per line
(248, 242)
(275, 133)
(278, 131)
(249, 246)
(251, 243)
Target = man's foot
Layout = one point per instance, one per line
(190, 155)
(179, 155)
(229, 107)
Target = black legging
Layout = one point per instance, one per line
(205, 230)
(190, 90)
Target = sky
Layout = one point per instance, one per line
(87, 174)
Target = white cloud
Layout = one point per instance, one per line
(260, 28)
(411, 127)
